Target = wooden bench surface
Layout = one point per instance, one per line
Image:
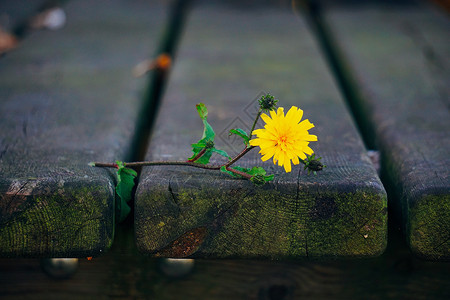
(15, 20)
(398, 59)
(14, 13)
(124, 273)
(68, 97)
(229, 55)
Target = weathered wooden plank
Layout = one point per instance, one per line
(125, 274)
(13, 13)
(228, 56)
(14, 20)
(67, 98)
(398, 59)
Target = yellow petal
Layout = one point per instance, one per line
(310, 138)
(264, 144)
(266, 134)
(255, 142)
(280, 111)
(281, 158)
(266, 118)
(294, 115)
(266, 157)
(276, 156)
(268, 151)
(302, 155)
(287, 166)
(308, 150)
(258, 131)
(273, 115)
(306, 124)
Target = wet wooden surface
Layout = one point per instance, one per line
(397, 58)
(123, 273)
(67, 98)
(228, 56)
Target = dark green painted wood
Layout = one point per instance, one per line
(67, 98)
(397, 58)
(227, 57)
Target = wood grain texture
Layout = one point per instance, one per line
(125, 274)
(398, 59)
(68, 97)
(228, 56)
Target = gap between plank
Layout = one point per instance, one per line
(154, 90)
(157, 82)
(344, 79)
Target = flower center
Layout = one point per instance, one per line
(282, 142)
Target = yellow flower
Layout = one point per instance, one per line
(284, 137)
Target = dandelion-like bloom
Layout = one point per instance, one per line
(284, 137)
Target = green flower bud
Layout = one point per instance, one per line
(267, 102)
(209, 145)
(315, 165)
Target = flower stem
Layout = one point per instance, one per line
(254, 123)
(243, 174)
(157, 163)
(198, 155)
(190, 163)
(237, 157)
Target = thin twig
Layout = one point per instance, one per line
(237, 157)
(243, 174)
(254, 123)
(198, 155)
(176, 163)
(157, 163)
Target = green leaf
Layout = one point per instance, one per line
(125, 185)
(207, 139)
(202, 110)
(269, 178)
(256, 171)
(221, 152)
(122, 210)
(208, 132)
(196, 148)
(245, 170)
(240, 132)
(207, 136)
(253, 171)
(199, 146)
(204, 159)
(223, 169)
